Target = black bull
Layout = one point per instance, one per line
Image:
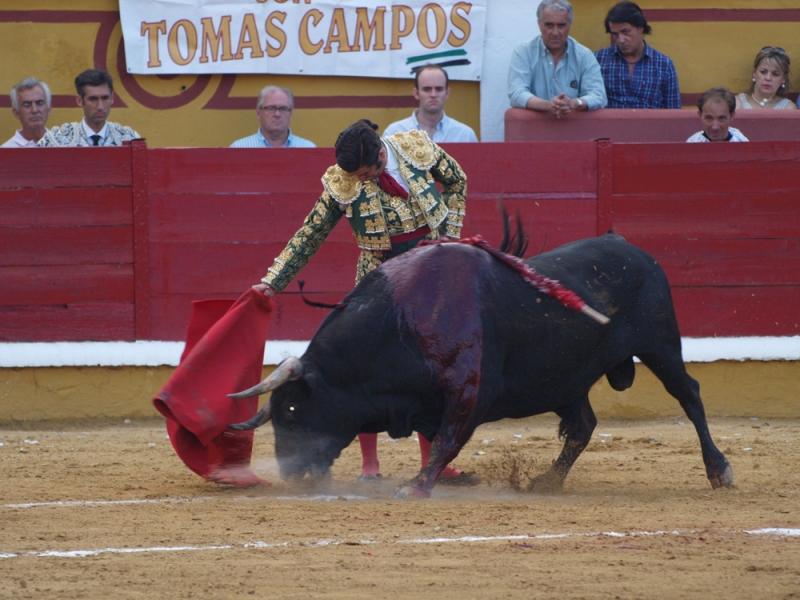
(446, 337)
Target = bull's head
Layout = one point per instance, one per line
(307, 440)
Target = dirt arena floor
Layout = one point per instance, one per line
(108, 511)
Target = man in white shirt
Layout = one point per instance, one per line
(274, 112)
(431, 89)
(95, 96)
(30, 103)
(716, 108)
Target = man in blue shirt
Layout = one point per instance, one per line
(554, 73)
(274, 112)
(635, 75)
(431, 89)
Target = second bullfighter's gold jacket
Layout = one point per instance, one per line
(373, 214)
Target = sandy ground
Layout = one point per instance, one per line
(107, 510)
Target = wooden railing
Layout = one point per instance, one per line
(641, 125)
(114, 243)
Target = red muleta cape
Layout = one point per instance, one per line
(224, 353)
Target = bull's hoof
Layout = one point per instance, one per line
(409, 491)
(723, 479)
(546, 483)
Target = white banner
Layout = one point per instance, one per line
(362, 38)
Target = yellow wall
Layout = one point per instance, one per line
(705, 54)
(58, 52)
(84, 393)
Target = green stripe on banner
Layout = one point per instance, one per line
(421, 57)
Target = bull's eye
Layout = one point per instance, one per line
(290, 412)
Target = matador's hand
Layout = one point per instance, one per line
(263, 288)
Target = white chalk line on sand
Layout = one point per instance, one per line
(261, 545)
(178, 500)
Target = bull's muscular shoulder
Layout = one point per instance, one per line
(341, 185)
(416, 147)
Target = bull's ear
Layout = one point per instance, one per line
(290, 369)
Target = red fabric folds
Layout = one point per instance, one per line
(224, 353)
(389, 185)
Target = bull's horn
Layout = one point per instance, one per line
(261, 417)
(289, 370)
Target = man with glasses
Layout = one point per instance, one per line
(274, 112)
(95, 96)
(30, 103)
(553, 73)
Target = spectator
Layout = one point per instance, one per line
(274, 112)
(30, 104)
(431, 90)
(387, 189)
(635, 74)
(553, 73)
(770, 81)
(95, 90)
(716, 108)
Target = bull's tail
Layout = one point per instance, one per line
(515, 243)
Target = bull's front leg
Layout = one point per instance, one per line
(454, 349)
(577, 424)
(458, 423)
(446, 445)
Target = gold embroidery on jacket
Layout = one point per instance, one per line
(374, 225)
(370, 207)
(416, 147)
(341, 185)
(375, 215)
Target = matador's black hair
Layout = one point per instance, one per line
(358, 146)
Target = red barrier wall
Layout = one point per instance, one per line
(218, 217)
(641, 125)
(725, 224)
(66, 264)
(113, 244)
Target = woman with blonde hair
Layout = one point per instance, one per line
(770, 81)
